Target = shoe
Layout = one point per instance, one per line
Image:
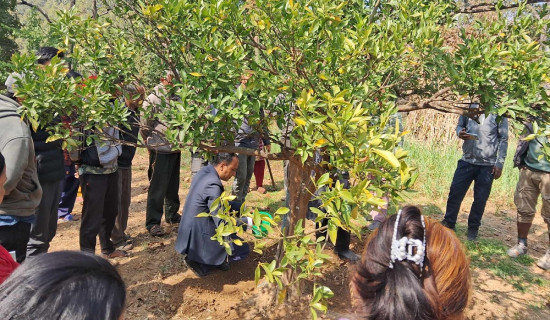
(197, 268)
(156, 231)
(445, 224)
(115, 254)
(374, 225)
(66, 218)
(175, 219)
(544, 262)
(518, 250)
(347, 255)
(472, 234)
(224, 266)
(125, 246)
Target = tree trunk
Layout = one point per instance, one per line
(300, 190)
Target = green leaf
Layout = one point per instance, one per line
(203, 215)
(256, 218)
(319, 306)
(332, 231)
(282, 211)
(388, 156)
(324, 179)
(346, 195)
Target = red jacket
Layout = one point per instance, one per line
(7, 265)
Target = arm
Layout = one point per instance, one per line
(265, 131)
(16, 153)
(502, 142)
(461, 127)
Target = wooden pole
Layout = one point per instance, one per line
(270, 174)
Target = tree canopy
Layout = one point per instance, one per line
(8, 23)
(335, 71)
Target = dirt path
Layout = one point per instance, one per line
(160, 286)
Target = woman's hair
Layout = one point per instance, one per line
(439, 291)
(63, 285)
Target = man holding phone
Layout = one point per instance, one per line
(484, 151)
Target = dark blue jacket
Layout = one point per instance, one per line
(194, 233)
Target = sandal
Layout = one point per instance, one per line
(125, 246)
(116, 254)
(156, 231)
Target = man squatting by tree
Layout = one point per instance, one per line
(194, 234)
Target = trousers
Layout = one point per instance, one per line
(164, 183)
(465, 174)
(99, 210)
(44, 227)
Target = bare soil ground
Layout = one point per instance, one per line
(159, 285)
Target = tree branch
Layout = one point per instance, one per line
(25, 3)
(487, 7)
(283, 155)
(374, 9)
(438, 102)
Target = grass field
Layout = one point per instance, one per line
(436, 164)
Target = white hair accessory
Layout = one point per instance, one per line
(403, 248)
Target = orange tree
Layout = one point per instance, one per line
(334, 72)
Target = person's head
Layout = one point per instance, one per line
(436, 288)
(246, 76)
(3, 177)
(226, 164)
(46, 54)
(63, 285)
(168, 78)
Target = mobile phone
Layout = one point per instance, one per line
(473, 136)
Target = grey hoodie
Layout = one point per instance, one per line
(155, 140)
(23, 191)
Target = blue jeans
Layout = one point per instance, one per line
(464, 175)
(69, 187)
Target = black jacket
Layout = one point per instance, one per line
(49, 157)
(130, 135)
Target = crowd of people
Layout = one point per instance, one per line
(408, 253)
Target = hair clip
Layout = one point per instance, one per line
(403, 249)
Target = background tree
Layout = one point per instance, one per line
(8, 24)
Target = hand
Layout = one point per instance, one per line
(268, 148)
(497, 172)
(76, 175)
(463, 135)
